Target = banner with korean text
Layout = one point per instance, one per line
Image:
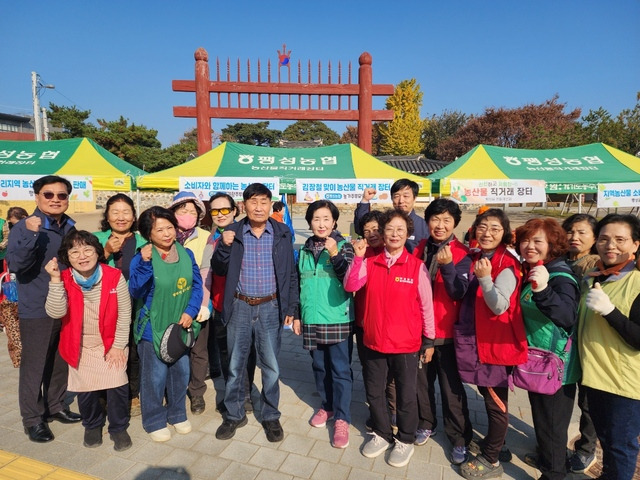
(205, 187)
(340, 190)
(497, 191)
(20, 187)
(618, 195)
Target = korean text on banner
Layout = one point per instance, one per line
(20, 187)
(618, 195)
(498, 191)
(205, 187)
(341, 191)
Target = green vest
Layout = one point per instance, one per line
(543, 333)
(171, 292)
(323, 300)
(608, 362)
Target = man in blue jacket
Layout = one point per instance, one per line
(403, 196)
(261, 293)
(43, 374)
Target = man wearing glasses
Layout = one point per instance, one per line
(43, 374)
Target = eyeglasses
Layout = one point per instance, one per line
(50, 195)
(87, 252)
(618, 241)
(482, 229)
(220, 211)
(395, 231)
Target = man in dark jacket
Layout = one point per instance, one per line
(403, 196)
(43, 374)
(261, 293)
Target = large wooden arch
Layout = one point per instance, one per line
(282, 100)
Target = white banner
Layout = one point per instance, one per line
(20, 187)
(341, 191)
(205, 187)
(618, 195)
(498, 191)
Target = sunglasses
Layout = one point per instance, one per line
(217, 211)
(50, 195)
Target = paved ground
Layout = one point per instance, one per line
(304, 453)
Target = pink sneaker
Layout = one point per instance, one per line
(341, 434)
(320, 418)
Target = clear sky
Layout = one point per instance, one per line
(118, 57)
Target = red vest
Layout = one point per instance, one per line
(392, 318)
(501, 339)
(445, 308)
(71, 331)
(358, 299)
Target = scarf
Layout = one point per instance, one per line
(183, 235)
(602, 271)
(87, 284)
(432, 248)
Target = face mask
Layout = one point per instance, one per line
(186, 222)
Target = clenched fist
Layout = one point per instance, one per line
(145, 252)
(227, 237)
(368, 194)
(33, 223)
(53, 269)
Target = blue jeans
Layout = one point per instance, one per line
(334, 381)
(263, 323)
(617, 422)
(156, 377)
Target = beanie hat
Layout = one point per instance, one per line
(184, 197)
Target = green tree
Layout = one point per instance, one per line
(137, 144)
(251, 134)
(306, 130)
(630, 120)
(402, 135)
(71, 120)
(599, 127)
(437, 129)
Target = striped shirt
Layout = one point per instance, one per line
(257, 273)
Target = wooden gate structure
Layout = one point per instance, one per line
(282, 100)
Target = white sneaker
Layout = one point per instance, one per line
(183, 427)
(162, 435)
(401, 454)
(375, 446)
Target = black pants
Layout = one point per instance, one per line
(403, 368)
(391, 386)
(551, 417)
(455, 410)
(496, 402)
(586, 444)
(43, 372)
(199, 361)
(133, 367)
(92, 410)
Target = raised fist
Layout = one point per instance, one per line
(33, 223)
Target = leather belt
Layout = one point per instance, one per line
(253, 301)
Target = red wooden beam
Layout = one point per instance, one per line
(284, 114)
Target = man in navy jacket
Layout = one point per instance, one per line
(261, 294)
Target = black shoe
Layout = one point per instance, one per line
(92, 437)
(248, 405)
(121, 440)
(40, 433)
(197, 405)
(273, 429)
(228, 428)
(65, 416)
(221, 407)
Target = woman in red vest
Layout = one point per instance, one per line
(490, 336)
(93, 302)
(398, 329)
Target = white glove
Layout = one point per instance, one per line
(203, 315)
(539, 278)
(598, 301)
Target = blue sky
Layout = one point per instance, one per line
(119, 57)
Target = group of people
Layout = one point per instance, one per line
(137, 315)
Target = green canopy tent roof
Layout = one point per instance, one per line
(75, 156)
(239, 160)
(566, 170)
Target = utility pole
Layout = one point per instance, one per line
(36, 87)
(36, 106)
(45, 124)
